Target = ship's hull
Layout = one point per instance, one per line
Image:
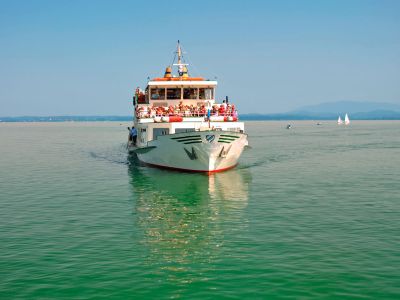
(199, 151)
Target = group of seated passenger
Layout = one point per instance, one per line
(182, 110)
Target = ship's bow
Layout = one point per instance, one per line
(202, 151)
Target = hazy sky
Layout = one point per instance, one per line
(87, 57)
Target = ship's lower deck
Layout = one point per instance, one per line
(148, 130)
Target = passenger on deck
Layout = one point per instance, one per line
(133, 135)
(152, 111)
(202, 110)
(221, 110)
(171, 111)
(130, 136)
(224, 104)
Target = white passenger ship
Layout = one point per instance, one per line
(180, 125)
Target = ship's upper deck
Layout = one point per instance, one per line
(180, 96)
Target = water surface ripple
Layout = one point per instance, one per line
(310, 212)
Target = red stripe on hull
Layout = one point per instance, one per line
(208, 172)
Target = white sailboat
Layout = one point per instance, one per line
(346, 120)
(339, 121)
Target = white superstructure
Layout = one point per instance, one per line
(180, 126)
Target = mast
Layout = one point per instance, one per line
(179, 51)
(182, 69)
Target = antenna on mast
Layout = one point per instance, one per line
(179, 51)
(182, 69)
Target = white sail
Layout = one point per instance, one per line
(339, 121)
(346, 120)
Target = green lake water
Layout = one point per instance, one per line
(312, 212)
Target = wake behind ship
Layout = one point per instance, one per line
(179, 125)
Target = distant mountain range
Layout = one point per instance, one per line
(323, 111)
(331, 111)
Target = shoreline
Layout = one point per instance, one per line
(71, 119)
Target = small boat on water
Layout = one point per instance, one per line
(179, 125)
(339, 121)
(346, 120)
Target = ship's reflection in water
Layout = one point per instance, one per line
(185, 218)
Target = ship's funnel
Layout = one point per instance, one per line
(168, 72)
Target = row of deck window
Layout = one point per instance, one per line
(181, 93)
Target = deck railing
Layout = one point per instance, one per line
(163, 112)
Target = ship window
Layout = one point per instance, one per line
(234, 129)
(159, 131)
(157, 94)
(174, 94)
(189, 93)
(206, 94)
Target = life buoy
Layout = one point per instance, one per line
(171, 119)
(175, 119)
(230, 119)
